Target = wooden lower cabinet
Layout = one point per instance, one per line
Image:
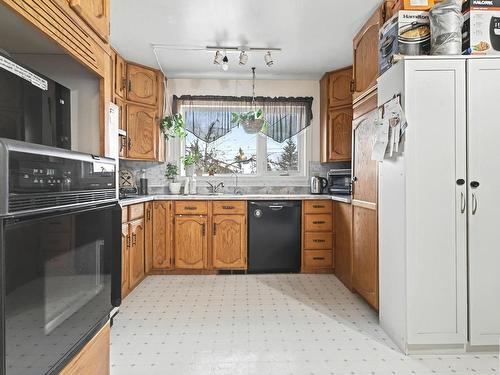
(148, 237)
(125, 259)
(229, 242)
(365, 254)
(93, 359)
(343, 242)
(136, 252)
(190, 233)
(162, 235)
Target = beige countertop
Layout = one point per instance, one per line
(229, 197)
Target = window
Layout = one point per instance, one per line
(223, 147)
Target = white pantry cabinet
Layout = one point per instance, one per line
(484, 201)
(426, 201)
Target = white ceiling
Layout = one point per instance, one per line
(315, 35)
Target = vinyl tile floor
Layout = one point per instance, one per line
(263, 324)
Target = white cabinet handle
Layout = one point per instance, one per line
(462, 202)
(474, 204)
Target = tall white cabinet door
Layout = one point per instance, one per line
(436, 154)
(484, 201)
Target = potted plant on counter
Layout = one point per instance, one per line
(190, 160)
(171, 174)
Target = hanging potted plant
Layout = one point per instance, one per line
(171, 174)
(172, 126)
(252, 121)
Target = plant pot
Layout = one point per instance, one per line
(174, 187)
(189, 171)
(252, 126)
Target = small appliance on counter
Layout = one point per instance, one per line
(317, 185)
(339, 182)
(143, 183)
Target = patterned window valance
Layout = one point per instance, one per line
(209, 117)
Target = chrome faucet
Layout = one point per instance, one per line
(215, 187)
(236, 190)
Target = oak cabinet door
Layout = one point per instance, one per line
(340, 134)
(95, 13)
(142, 132)
(343, 242)
(148, 236)
(229, 243)
(142, 85)
(339, 88)
(364, 169)
(190, 242)
(120, 76)
(162, 231)
(136, 252)
(365, 254)
(125, 259)
(365, 46)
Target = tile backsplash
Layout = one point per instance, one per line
(155, 173)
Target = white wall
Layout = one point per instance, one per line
(269, 88)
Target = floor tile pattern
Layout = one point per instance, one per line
(263, 324)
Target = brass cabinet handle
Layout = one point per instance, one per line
(318, 206)
(203, 229)
(318, 222)
(128, 241)
(134, 238)
(129, 143)
(148, 215)
(129, 85)
(318, 258)
(190, 208)
(317, 240)
(215, 229)
(228, 207)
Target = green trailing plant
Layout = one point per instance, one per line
(172, 126)
(171, 171)
(246, 118)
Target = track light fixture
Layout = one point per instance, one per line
(218, 58)
(268, 59)
(225, 64)
(243, 58)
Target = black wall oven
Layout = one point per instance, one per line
(60, 254)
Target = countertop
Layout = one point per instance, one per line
(230, 197)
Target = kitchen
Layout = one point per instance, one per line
(249, 195)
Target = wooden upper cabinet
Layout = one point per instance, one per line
(142, 84)
(364, 168)
(229, 242)
(125, 259)
(336, 115)
(365, 46)
(136, 256)
(162, 235)
(339, 88)
(142, 132)
(190, 243)
(95, 13)
(340, 134)
(365, 254)
(120, 76)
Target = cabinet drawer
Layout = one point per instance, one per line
(318, 259)
(318, 207)
(318, 241)
(191, 208)
(229, 207)
(318, 223)
(124, 214)
(135, 211)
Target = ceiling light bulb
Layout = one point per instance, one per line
(268, 59)
(243, 58)
(218, 58)
(225, 64)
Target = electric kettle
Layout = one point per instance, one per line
(318, 184)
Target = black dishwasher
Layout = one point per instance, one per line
(274, 236)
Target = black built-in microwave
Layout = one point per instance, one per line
(33, 108)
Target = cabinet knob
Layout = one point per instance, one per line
(474, 184)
